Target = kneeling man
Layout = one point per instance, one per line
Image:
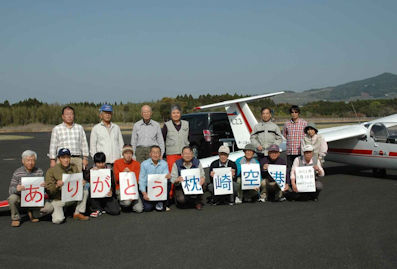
(54, 183)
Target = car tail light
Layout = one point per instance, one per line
(207, 135)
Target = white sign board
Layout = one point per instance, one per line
(128, 186)
(157, 187)
(250, 176)
(191, 181)
(223, 181)
(72, 189)
(33, 195)
(305, 179)
(100, 182)
(279, 174)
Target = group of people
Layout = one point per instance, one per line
(143, 156)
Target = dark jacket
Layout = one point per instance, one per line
(215, 164)
(278, 161)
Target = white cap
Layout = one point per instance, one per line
(307, 148)
(224, 149)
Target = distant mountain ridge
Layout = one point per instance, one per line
(383, 86)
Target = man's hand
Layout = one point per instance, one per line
(109, 194)
(202, 181)
(42, 184)
(59, 183)
(265, 166)
(145, 196)
(126, 169)
(294, 188)
(168, 176)
(233, 172)
(20, 187)
(52, 163)
(286, 187)
(85, 163)
(212, 174)
(179, 179)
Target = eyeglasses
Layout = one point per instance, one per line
(294, 112)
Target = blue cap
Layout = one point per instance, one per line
(106, 108)
(63, 152)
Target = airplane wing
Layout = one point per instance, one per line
(342, 132)
(388, 121)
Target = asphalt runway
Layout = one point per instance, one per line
(353, 225)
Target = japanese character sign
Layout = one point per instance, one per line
(305, 179)
(128, 186)
(223, 181)
(72, 189)
(250, 176)
(100, 182)
(33, 195)
(157, 187)
(191, 181)
(278, 173)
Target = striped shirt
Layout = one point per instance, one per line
(72, 138)
(293, 132)
(20, 173)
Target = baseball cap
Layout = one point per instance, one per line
(273, 148)
(224, 149)
(63, 152)
(308, 148)
(106, 108)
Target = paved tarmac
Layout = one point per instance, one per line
(353, 225)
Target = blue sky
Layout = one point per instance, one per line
(134, 51)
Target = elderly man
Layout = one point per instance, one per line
(54, 183)
(145, 134)
(293, 131)
(188, 161)
(106, 137)
(28, 169)
(176, 135)
(152, 166)
(223, 161)
(306, 160)
(69, 135)
(265, 133)
(273, 191)
(127, 164)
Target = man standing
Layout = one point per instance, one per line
(154, 165)
(145, 134)
(188, 161)
(273, 191)
(71, 136)
(223, 161)
(28, 169)
(265, 133)
(127, 164)
(106, 137)
(54, 183)
(176, 135)
(293, 131)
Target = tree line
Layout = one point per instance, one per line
(34, 111)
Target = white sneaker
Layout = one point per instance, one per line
(237, 201)
(262, 200)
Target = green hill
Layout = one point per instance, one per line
(383, 86)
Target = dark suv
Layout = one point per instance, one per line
(208, 130)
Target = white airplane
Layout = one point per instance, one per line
(370, 144)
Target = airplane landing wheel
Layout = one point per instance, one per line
(379, 172)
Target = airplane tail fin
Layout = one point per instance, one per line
(241, 118)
